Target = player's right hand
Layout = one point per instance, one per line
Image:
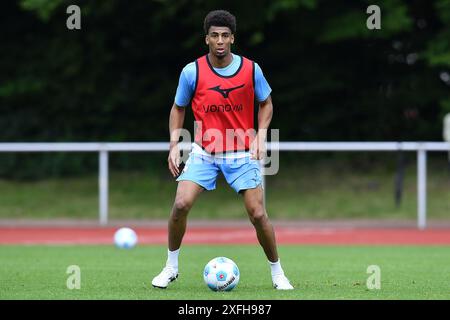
(174, 160)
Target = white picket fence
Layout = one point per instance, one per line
(421, 148)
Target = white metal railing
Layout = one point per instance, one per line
(104, 148)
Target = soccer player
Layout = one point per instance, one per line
(221, 87)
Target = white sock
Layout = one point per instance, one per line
(275, 268)
(172, 258)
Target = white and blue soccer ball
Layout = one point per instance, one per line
(221, 274)
(125, 238)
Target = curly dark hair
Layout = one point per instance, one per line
(220, 18)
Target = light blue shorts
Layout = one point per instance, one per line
(241, 173)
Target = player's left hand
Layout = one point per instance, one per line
(257, 149)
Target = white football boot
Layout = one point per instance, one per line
(280, 282)
(167, 275)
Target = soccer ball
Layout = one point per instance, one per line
(125, 238)
(221, 274)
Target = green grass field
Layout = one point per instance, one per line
(317, 272)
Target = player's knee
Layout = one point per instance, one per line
(257, 215)
(182, 205)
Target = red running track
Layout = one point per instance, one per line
(235, 235)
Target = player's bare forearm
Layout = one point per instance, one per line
(176, 121)
(258, 148)
(264, 118)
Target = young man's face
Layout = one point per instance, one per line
(219, 40)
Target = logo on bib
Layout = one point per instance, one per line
(225, 92)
